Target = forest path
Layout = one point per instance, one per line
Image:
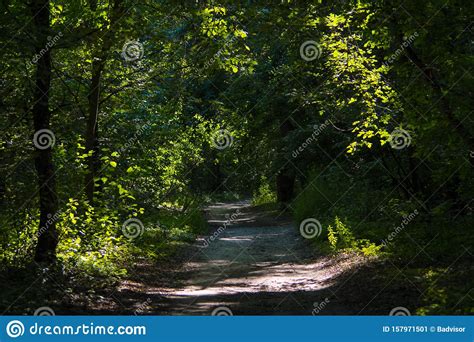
(257, 263)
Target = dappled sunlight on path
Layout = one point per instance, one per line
(246, 258)
(255, 262)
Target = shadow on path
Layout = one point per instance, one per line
(257, 264)
(252, 263)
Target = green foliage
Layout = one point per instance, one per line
(167, 231)
(356, 72)
(231, 54)
(340, 237)
(17, 239)
(446, 290)
(91, 240)
(323, 123)
(264, 194)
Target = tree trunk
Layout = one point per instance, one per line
(285, 179)
(47, 235)
(285, 187)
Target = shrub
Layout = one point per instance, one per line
(264, 194)
(340, 237)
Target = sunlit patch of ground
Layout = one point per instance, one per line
(255, 264)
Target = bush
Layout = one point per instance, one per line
(340, 237)
(91, 240)
(264, 194)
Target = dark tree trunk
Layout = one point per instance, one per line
(285, 179)
(47, 235)
(285, 187)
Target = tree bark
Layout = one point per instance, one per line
(285, 179)
(47, 234)
(285, 187)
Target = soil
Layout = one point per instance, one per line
(257, 263)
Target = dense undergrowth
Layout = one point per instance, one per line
(428, 248)
(92, 260)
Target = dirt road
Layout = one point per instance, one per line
(253, 263)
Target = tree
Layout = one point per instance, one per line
(47, 234)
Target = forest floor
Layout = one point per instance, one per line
(258, 264)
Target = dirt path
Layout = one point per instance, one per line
(253, 264)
